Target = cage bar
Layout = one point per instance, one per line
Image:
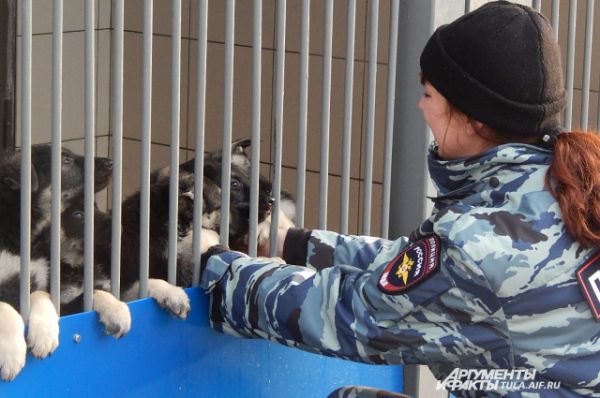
(587, 64)
(146, 154)
(348, 98)
(90, 138)
(302, 114)
(57, 54)
(571, 62)
(389, 118)
(117, 138)
(25, 217)
(228, 121)
(280, 82)
(325, 114)
(256, 114)
(200, 133)
(370, 133)
(174, 170)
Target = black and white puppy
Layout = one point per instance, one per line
(240, 186)
(170, 297)
(113, 314)
(42, 335)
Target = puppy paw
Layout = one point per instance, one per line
(170, 297)
(42, 335)
(114, 314)
(208, 238)
(13, 348)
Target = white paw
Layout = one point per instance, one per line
(42, 334)
(12, 342)
(208, 238)
(263, 231)
(170, 297)
(114, 314)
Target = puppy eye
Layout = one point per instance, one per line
(67, 160)
(79, 214)
(235, 183)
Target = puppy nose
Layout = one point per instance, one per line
(270, 200)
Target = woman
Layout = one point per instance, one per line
(489, 280)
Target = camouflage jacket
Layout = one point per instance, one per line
(495, 289)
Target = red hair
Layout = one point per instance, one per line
(574, 180)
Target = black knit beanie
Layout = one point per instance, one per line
(500, 65)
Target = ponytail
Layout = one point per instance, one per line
(574, 180)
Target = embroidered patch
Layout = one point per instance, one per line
(412, 266)
(589, 280)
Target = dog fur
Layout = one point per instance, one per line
(170, 297)
(240, 186)
(42, 334)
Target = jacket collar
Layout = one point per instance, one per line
(458, 178)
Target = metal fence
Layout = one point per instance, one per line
(393, 129)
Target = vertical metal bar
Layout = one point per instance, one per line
(226, 162)
(175, 109)
(280, 77)
(370, 134)
(90, 120)
(117, 137)
(467, 6)
(302, 114)
(200, 130)
(537, 5)
(555, 16)
(256, 104)
(8, 49)
(598, 115)
(571, 62)
(325, 115)
(587, 64)
(57, 49)
(389, 118)
(348, 98)
(145, 161)
(25, 161)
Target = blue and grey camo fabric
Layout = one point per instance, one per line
(505, 294)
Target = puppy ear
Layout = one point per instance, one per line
(238, 147)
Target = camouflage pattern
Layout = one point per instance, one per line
(505, 295)
(364, 392)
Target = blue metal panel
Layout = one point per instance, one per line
(167, 357)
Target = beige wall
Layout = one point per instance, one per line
(242, 105)
(73, 93)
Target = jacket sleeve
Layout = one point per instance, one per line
(322, 249)
(340, 311)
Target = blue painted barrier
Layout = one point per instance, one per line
(167, 357)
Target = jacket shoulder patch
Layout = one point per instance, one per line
(412, 266)
(588, 276)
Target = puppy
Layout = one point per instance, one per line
(170, 297)
(113, 314)
(240, 183)
(42, 335)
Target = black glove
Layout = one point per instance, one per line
(216, 249)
